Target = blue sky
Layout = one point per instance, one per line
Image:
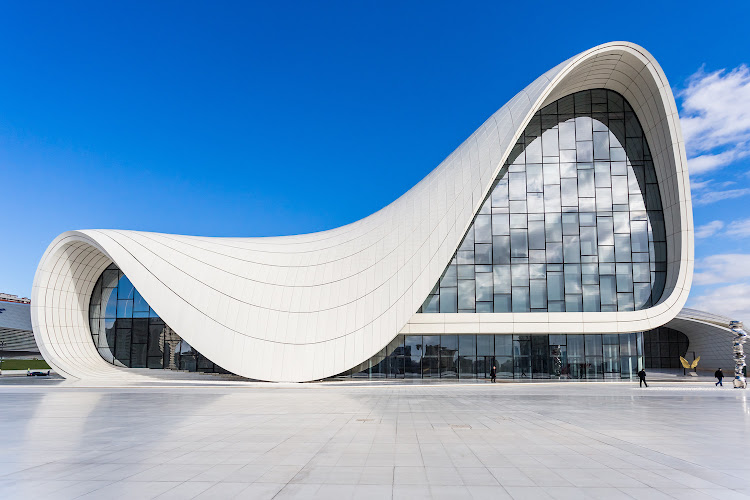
(256, 119)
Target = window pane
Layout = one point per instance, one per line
(501, 279)
(520, 299)
(483, 253)
(483, 229)
(467, 345)
(538, 294)
(466, 290)
(484, 286)
(502, 303)
(518, 243)
(448, 300)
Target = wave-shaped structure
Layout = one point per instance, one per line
(300, 308)
(710, 337)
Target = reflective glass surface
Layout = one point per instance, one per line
(574, 222)
(128, 332)
(663, 347)
(592, 356)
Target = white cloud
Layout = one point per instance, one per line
(715, 118)
(709, 229)
(722, 268)
(706, 162)
(731, 300)
(739, 228)
(698, 185)
(708, 197)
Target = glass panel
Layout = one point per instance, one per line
(431, 345)
(125, 288)
(502, 303)
(467, 367)
(139, 303)
(466, 297)
(539, 356)
(504, 366)
(518, 243)
(520, 299)
(522, 359)
(485, 345)
(503, 345)
(432, 304)
(483, 229)
(449, 356)
(484, 286)
(483, 253)
(448, 300)
(467, 345)
(110, 278)
(538, 294)
(431, 367)
(124, 308)
(449, 277)
(593, 344)
(109, 302)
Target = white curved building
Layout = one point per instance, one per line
(566, 216)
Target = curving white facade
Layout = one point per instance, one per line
(710, 338)
(300, 308)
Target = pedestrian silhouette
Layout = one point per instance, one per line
(719, 375)
(493, 373)
(642, 377)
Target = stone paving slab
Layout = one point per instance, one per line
(551, 440)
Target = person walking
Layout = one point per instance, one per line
(642, 377)
(719, 375)
(493, 373)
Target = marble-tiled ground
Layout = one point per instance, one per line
(338, 441)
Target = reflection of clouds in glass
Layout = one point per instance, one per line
(574, 223)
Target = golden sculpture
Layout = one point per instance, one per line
(687, 365)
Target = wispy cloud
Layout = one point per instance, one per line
(708, 197)
(730, 300)
(708, 230)
(706, 162)
(739, 228)
(715, 118)
(727, 281)
(722, 268)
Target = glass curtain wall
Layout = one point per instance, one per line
(574, 222)
(127, 331)
(664, 346)
(590, 356)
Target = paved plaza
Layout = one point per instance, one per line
(362, 440)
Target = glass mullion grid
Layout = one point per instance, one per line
(127, 344)
(471, 356)
(583, 156)
(663, 346)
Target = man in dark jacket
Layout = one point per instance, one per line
(642, 377)
(493, 373)
(719, 375)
